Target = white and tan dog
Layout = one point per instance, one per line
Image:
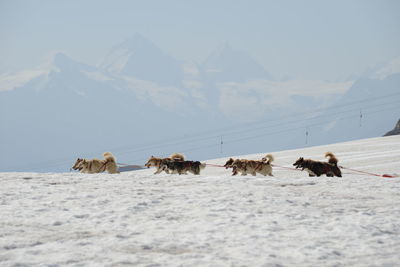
(109, 164)
(252, 167)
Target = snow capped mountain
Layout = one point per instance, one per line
(60, 67)
(140, 58)
(10, 81)
(63, 63)
(73, 77)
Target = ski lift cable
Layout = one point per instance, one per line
(221, 130)
(236, 132)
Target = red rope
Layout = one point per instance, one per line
(215, 165)
(370, 173)
(287, 168)
(363, 172)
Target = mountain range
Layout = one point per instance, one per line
(140, 101)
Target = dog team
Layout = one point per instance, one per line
(176, 164)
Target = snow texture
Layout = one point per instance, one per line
(137, 218)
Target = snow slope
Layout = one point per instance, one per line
(137, 218)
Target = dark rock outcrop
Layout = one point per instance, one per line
(395, 131)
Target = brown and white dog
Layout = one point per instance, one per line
(160, 163)
(108, 164)
(252, 167)
(318, 168)
(237, 166)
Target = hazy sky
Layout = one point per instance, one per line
(329, 40)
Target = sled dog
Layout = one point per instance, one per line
(108, 164)
(253, 167)
(318, 168)
(182, 167)
(160, 163)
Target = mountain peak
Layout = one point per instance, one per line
(62, 62)
(137, 40)
(135, 43)
(140, 58)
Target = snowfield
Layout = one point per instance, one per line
(137, 218)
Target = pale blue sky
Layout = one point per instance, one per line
(329, 40)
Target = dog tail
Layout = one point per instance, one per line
(268, 158)
(177, 157)
(331, 158)
(109, 157)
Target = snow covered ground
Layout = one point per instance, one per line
(137, 218)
